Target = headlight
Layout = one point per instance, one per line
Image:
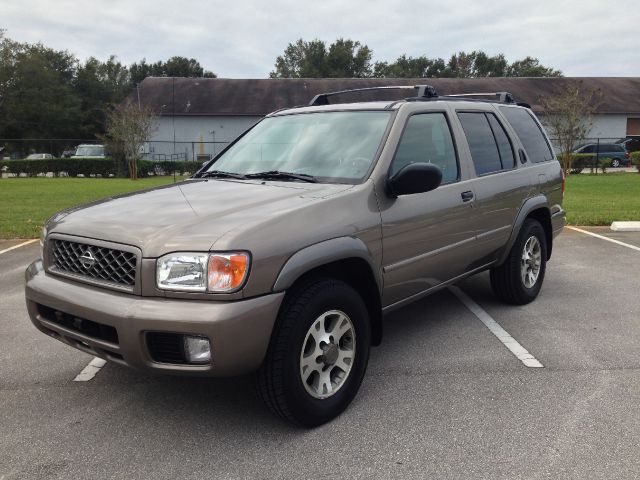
(202, 272)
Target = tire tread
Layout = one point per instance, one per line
(505, 279)
(270, 381)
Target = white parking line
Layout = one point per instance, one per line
(18, 246)
(518, 350)
(90, 370)
(601, 237)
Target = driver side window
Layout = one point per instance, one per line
(427, 139)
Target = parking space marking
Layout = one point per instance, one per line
(494, 327)
(90, 370)
(28, 242)
(602, 237)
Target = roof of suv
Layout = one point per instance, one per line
(426, 93)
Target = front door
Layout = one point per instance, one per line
(428, 238)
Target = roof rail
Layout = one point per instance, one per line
(424, 91)
(503, 97)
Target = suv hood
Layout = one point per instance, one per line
(189, 215)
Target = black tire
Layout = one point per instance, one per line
(615, 163)
(506, 280)
(279, 381)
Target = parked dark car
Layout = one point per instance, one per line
(616, 152)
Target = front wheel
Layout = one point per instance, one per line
(519, 279)
(318, 353)
(615, 163)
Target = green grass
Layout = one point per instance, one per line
(25, 203)
(602, 199)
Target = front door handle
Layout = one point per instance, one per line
(467, 196)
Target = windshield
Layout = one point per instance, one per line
(330, 146)
(90, 151)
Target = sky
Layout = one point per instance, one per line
(242, 38)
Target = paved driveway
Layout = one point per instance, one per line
(443, 397)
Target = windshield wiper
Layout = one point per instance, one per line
(278, 175)
(221, 174)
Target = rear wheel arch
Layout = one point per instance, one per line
(543, 216)
(536, 208)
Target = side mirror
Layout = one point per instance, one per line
(414, 178)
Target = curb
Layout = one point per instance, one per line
(625, 226)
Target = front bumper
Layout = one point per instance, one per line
(239, 331)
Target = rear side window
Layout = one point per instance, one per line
(611, 148)
(588, 149)
(530, 134)
(427, 139)
(504, 145)
(489, 145)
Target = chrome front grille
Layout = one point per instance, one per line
(94, 263)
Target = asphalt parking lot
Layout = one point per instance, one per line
(443, 397)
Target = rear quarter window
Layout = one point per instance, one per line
(533, 140)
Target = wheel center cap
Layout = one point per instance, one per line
(330, 354)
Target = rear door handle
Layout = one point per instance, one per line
(467, 196)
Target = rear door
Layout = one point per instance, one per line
(500, 185)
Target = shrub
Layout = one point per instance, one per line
(635, 160)
(94, 166)
(580, 161)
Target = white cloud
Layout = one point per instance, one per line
(241, 39)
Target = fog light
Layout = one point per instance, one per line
(197, 349)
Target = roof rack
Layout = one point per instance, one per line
(503, 97)
(424, 91)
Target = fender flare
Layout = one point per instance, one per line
(323, 253)
(531, 204)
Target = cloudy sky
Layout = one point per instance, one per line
(242, 38)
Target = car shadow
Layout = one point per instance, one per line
(424, 329)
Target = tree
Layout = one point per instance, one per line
(99, 85)
(531, 67)
(348, 59)
(476, 64)
(343, 59)
(46, 93)
(37, 99)
(174, 67)
(128, 127)
(569, 116)
(409, 67)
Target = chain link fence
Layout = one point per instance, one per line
(20, 148)
(154, 150)
(600, 153)
(161, 150)
(598, 149)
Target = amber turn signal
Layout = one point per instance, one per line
(227, 271)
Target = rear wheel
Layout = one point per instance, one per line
(318, 353)
(615, 163)
(519, 279)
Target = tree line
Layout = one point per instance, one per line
(48, 93)
(346, 58)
